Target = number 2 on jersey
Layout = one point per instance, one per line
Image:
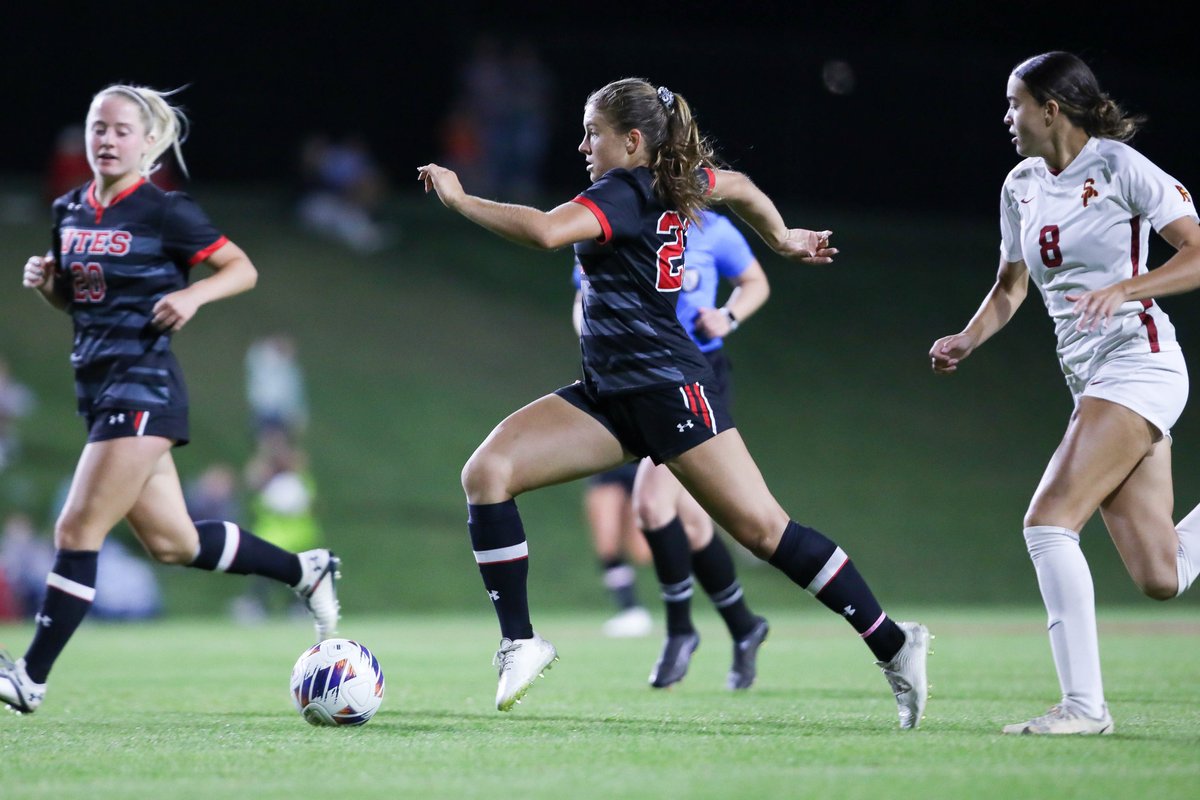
(673, 229)
(89, 283)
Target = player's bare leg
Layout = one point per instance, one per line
(723, 477)
(107, 481)
(1104, 444)
(548, 441)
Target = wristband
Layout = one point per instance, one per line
(733, 323)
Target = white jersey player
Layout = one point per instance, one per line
(1075, 216)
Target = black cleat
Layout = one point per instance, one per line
(673, 663)
(745, 656)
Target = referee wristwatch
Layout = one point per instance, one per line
(733, 322)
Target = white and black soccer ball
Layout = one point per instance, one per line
(337, 682)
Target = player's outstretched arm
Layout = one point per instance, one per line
(737, 191)
(545, 230)
(39, 275)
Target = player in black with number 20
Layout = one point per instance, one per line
(643, 392)
(122, 257)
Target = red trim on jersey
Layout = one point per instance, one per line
(208, 251)
(712, 180)
(1135, 252)
(94, 203)
(600, 217)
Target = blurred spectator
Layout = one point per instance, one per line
(167, 176)
(498, 126)
(275, 386)
(16, 401)
(343, 191)
(282, 513)
(126, 585)
(25, 560)
(69, 165)
(10, 611)
(213, 494)
(527, 123)
(484, 94)
(462, 145)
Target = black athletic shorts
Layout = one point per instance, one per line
(118, 423)
(660, 423)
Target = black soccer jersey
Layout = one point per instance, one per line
(114, 264)
(631, 338)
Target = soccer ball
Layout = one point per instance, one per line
(337, 682)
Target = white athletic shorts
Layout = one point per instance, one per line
(1153, 385)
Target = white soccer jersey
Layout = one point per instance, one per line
(1086, 228)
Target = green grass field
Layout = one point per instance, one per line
(201, 710)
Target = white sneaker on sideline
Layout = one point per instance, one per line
(318, 589)
(1062, 719)
(520, 662)
(17, 691)
(632, 623)
(906, 674)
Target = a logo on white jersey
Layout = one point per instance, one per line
(1089, 190)
(1187, 198)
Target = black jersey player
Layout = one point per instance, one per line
(644, 386)
(120, 267)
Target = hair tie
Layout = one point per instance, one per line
(666, 97)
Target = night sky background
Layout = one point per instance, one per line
(920, 128)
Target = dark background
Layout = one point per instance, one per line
(921, 129)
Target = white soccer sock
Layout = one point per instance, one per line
(1066, 585)
(1187, 560)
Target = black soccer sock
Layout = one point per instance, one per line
(70, 590)
(225, 547)
(824, 570)
(713, 567)
(619, 579)
(672, 565)
(498, 539)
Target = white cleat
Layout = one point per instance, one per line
(632, 623)
(906, 674)
(318, 589)
(520, 662)
(17, 691)
(1064, 720)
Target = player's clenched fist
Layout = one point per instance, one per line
(37, 271)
